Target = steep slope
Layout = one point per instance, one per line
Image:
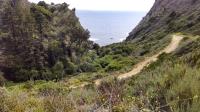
(147, 61)
(171, 83)
(168, 16)
(140, 66)
(40, 41)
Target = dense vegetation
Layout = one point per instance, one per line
(170, 84)
(45, 48)
(40, 41)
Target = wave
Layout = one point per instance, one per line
(93, 39)
(122, 39)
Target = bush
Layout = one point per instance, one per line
(25, 74)
(70, 68)
(47, 74)
(168, 82)
(104, 61)
(22, 74)
(125, 49)
(34, 74)
(43, 11)
(58, 70)
(49, 88)
(18, 102)
(87, 67)
(57, 103)
(113, 66)
(111, 91)
(75, 101)
(43, 4)
(28, 85)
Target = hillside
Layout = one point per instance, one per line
(168, 16)
(170, 84)
(40, 41)
(46, 50)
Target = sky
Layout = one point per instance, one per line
(106, 5)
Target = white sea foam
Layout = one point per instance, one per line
(93, 39)
(122, 39)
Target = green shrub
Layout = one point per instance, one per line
(25, 74)
(57, 103)
(113, 66)
(49, 88)
(34, 74)
(71, 68)
(123, 49)
(110, 91)
(58, 70)
(43, 4)
(43, 10)
(18, 102)
(47, 74)
(104, 61)
(87, 67)
(22, 75)
(28, 85)
(170, 82)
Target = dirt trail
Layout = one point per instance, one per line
(138, 67)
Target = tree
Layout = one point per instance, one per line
(41, 40)
(23, 50)
(43, 4)
(42, 17)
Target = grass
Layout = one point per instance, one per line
(118, 58)
(170, 84)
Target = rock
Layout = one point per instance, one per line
(168, 16)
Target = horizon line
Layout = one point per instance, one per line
(109, 10)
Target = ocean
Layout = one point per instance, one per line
(107, 27)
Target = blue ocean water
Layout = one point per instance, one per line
(107, 27)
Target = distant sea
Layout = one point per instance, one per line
(107, 27)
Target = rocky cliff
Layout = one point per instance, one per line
(168, 16)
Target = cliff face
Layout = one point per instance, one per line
(168, 16)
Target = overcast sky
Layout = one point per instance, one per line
(111, 5)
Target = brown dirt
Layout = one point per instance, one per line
(140, 66)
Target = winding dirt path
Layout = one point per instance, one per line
(140, 66)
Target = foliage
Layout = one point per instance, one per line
(43, 4)
(38, 40)
(58, 71)
(71, 68)
(170, 84)
(18, 102)
(87, 67)
(47, 42)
